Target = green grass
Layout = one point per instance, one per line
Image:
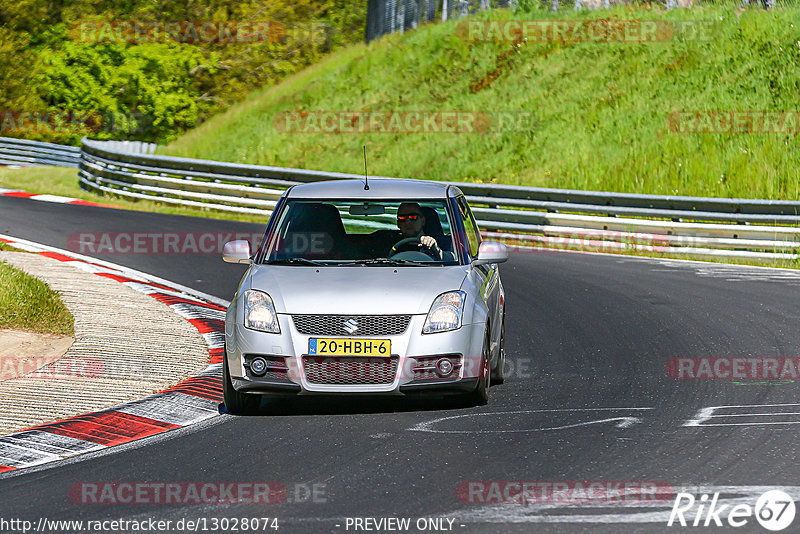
(63, 181)
(5, 246)
(27, 303)
(600, 109)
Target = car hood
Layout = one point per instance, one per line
(362, 290)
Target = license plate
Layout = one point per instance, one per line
(349, 347)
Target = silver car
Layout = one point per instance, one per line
(378, 288)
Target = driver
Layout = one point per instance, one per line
(411, 221)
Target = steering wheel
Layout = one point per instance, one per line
(408, 243)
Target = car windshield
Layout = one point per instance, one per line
(359, 232)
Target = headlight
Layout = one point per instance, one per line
(445, 313)
(259, 312)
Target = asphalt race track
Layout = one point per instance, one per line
(588, 399)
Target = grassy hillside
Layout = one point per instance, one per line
(600, 109)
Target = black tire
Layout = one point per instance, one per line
(499, 372)
(480, 396)
(237, 403)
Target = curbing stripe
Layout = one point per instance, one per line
(207, 325)
(47, 442)
(52, 198)
(215, 354)
(124, 279)
(194, 311)
(56, 256)
(107, 428)
(177, 302)
(35, 447)
(81, 202)
(21, 457)
(215, 340)
(207, 387)
(175, 408)
(189, 402)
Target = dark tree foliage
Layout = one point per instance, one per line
(70, 62)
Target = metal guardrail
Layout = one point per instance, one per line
(23, 152)
(524, 216)
(527, 217)
(26, 153)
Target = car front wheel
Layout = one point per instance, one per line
(480, 396)
(235, 402)
(499, 372)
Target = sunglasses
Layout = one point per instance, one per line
(408, 217)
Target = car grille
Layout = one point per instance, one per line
(346, 371)
(337, 325)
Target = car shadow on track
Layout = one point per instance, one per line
(352, 405)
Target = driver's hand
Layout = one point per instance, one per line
(429, 242)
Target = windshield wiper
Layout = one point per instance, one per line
(386, 261)
(295, 261)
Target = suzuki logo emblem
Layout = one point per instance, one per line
(351, 325)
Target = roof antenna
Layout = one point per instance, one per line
(366, 179)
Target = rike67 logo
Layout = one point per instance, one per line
(774, 510)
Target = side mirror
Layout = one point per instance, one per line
(491, 252)
(236, 251)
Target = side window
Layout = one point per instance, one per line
(470, 228)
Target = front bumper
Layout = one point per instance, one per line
(414, 351)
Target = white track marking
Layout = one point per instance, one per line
(733, 273)
(624, 422)
(710, 412)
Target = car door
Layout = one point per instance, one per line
(489, 276)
